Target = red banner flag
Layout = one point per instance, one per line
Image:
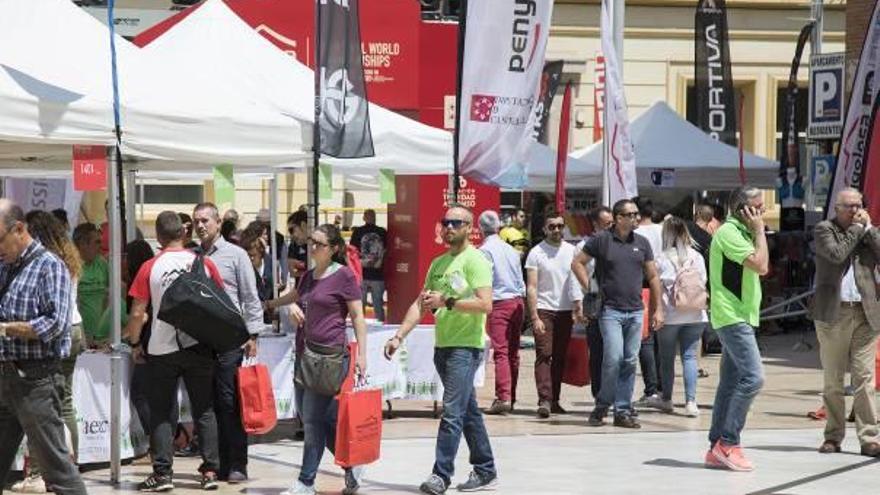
(89, 168)
(562, 149)
(598, 98)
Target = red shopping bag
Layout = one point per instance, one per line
(359, 422)
(577, 362)
(256, 399)
(646, 317)
(877, 367)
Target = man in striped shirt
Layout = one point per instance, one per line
(34, 335)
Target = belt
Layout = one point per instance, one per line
(851, 304)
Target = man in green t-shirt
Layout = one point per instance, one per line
(458, 289)
(737, 258)
(94, 283)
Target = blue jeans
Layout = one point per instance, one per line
(741, 378)
(376, 289)
(622, 338)
(457, 367)
(687, 337)
(318, 415)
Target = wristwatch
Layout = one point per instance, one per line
(450, 303)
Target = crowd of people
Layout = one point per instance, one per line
(645, 287)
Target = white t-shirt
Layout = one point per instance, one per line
(153, 278)
(75, 317)
(849, 291)
(591, 268)
(557, 286)
(667, 263)
(654, 234)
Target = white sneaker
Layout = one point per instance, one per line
(300, 488)
(691, 410)
(31, 484)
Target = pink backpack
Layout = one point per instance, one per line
(689, 289)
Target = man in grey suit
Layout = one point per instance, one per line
(847, 316)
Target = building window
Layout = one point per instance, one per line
(171, 194)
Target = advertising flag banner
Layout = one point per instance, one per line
(549, 84)
(870, 184)
(325, 181)
(562, 149)
(713, 84)
(342, 113)
(598, 97)
(501, 67)
(89, 168)
(387, 186)
(620, 162)
(224, 186)
(851, 165)
(791, 190)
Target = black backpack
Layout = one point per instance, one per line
(194, 304)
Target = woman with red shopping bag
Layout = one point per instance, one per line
(327, 294)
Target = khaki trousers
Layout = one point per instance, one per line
(849, 342)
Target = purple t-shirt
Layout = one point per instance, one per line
(325, 304)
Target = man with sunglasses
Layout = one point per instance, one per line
(35, 329)
(623, 260)
(458, 290)
(552, 293)
(847, 317)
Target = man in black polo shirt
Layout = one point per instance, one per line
(623, 260)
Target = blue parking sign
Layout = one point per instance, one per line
(826, 96)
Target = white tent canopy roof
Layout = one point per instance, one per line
(219, 45)
(663, 139)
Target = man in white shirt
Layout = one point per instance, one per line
(648, 356)
(552, 293)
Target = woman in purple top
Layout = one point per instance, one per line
(327, 295)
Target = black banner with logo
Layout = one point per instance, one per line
(549, 84)
(342, 114)
(716, 111)
(791, 156)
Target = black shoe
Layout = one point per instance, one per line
(235, 476)
(543, 409)
(209, 481)
(852, 416)
(477, 482)
(434, 485)
(596, 419)
(156, 483)
(626, 421)
(557, 409)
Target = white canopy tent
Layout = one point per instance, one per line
(219, 45)
(663, 139)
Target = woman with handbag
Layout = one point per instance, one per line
(327, 294)
(683, 276)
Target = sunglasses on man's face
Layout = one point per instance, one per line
(455, 223)
(555, 226)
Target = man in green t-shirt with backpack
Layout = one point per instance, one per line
(458, 289)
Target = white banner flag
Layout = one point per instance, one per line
(504, 47)
(620, 163)
(851, 166)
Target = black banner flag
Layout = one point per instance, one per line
(549, 84)
(716, 111)
(342, 114)
(790, 156)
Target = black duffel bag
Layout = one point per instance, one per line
(194, 304)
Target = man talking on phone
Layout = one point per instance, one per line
(737, 258)
(458, 289)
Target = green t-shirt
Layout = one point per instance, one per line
(736, 289)
(459, 276)
(94, 282)
(102, 333)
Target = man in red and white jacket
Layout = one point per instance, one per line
(171, 355)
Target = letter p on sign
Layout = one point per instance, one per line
(825, 91)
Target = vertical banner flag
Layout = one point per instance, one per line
(871, 183)
(503, 59)
(387, 186)
(713, 84)
(620, 162)
(325, 181)
(791, 189)
(224, 186)
(343, 116)
(851, 170)
(89, 168)
(598, 97)
(549, 84)
(562, 149)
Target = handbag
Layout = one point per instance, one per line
(322, 368)
(256, 399)
(194, 304)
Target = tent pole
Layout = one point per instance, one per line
(115, 317)
(273, 239)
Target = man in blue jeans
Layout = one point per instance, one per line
(737, 258)
(623, 260)
(458, 289)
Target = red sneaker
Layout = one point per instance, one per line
(732, 457)
(712, 462)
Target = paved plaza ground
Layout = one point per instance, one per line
(564, 456)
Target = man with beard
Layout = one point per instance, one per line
(458, 289)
